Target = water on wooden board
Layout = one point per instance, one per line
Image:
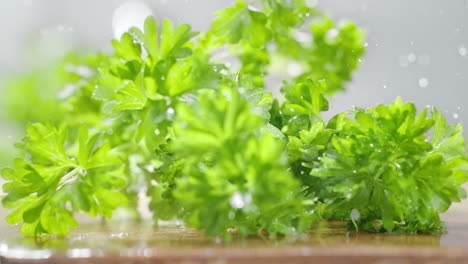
(142, 239)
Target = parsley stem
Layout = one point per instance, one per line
(70, 177)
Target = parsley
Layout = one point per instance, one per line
(233, 170)
(61, 176)
(168, 114)
(383, 165)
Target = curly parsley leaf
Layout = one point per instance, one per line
(327, 52)
(241, 22)
(60, 177)
(381, 171)
(208, 142)
(232, 171)
(260, 33)
(303, 104)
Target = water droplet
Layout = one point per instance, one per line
(129, 14)
(224, 72)
(237, 200)
(253, 8)
(355, 214)
(455, 115)
(423, 82)
(331, 35)
(189, 98)
(412, 57)
(149, 168)
(385, 86)
(292, 229)
(170, 113)
(67, 91)
(157, 132)
(462, 51)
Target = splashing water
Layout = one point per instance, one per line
(462, 51)
(412, 57)
(239, 200)
(423, 82)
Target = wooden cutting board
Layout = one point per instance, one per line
(118, 243)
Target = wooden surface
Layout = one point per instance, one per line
(141, 243)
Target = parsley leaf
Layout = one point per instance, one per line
(190, 119)
(382, 166)
(60, 177)
(232, 171)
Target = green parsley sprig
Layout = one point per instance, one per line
(170, 114)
